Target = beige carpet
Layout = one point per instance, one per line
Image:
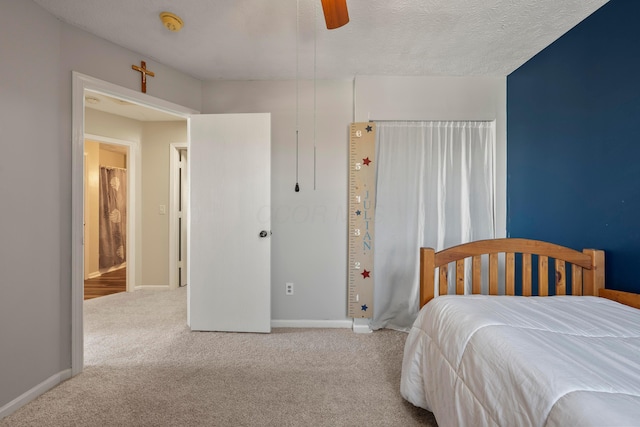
(144, 367)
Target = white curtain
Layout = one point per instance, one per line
(435, 188)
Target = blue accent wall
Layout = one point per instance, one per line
(573, 142)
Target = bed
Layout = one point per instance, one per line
(565, 352)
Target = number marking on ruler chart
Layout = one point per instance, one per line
(362, 195)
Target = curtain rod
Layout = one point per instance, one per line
(441, 120)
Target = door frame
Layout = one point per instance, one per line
(80, 83)
(174, 160)
(134, 186)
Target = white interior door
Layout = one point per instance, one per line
(229, 261)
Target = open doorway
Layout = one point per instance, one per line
(122, 101)
(178, 215)
(130, 141)
(106, 216)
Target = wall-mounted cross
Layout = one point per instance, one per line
(143, 71)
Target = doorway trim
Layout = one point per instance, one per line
(174, 182)
(134, 185)
(80, 83)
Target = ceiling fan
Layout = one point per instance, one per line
(335, 13)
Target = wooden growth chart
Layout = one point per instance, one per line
(362, 200)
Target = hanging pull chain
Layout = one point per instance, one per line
(315, 56)
(297, 187)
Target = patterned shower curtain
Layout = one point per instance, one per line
(113, 216)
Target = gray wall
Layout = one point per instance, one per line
(309, 227)
(38, 54)
(310, 236)
(309, 242)
(35, 249)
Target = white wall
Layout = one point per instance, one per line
(310, 233)
(38, 54)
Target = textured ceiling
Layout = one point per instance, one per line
(256, 39)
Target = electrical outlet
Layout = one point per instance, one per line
(288, 288)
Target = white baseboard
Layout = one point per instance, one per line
(106, 270)
(151, 288)
(311, 324)
(114, 268)
(36, 391)
(361, 326)
(94, 275)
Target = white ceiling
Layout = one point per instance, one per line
(256, 39)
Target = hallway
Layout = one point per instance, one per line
(106, 284)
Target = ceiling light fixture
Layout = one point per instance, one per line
(171, 21)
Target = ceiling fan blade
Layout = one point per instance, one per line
(335, 13)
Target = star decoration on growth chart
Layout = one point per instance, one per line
(366, 274)
(364, 307)
(369, 128)
(366, 161)
(358, 212)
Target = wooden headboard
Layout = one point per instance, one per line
(587, 268)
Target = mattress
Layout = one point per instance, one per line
(524, 361)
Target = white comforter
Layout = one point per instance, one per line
(525, 361)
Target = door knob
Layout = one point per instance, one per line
(264, 233)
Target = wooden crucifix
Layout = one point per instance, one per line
(143, 74)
